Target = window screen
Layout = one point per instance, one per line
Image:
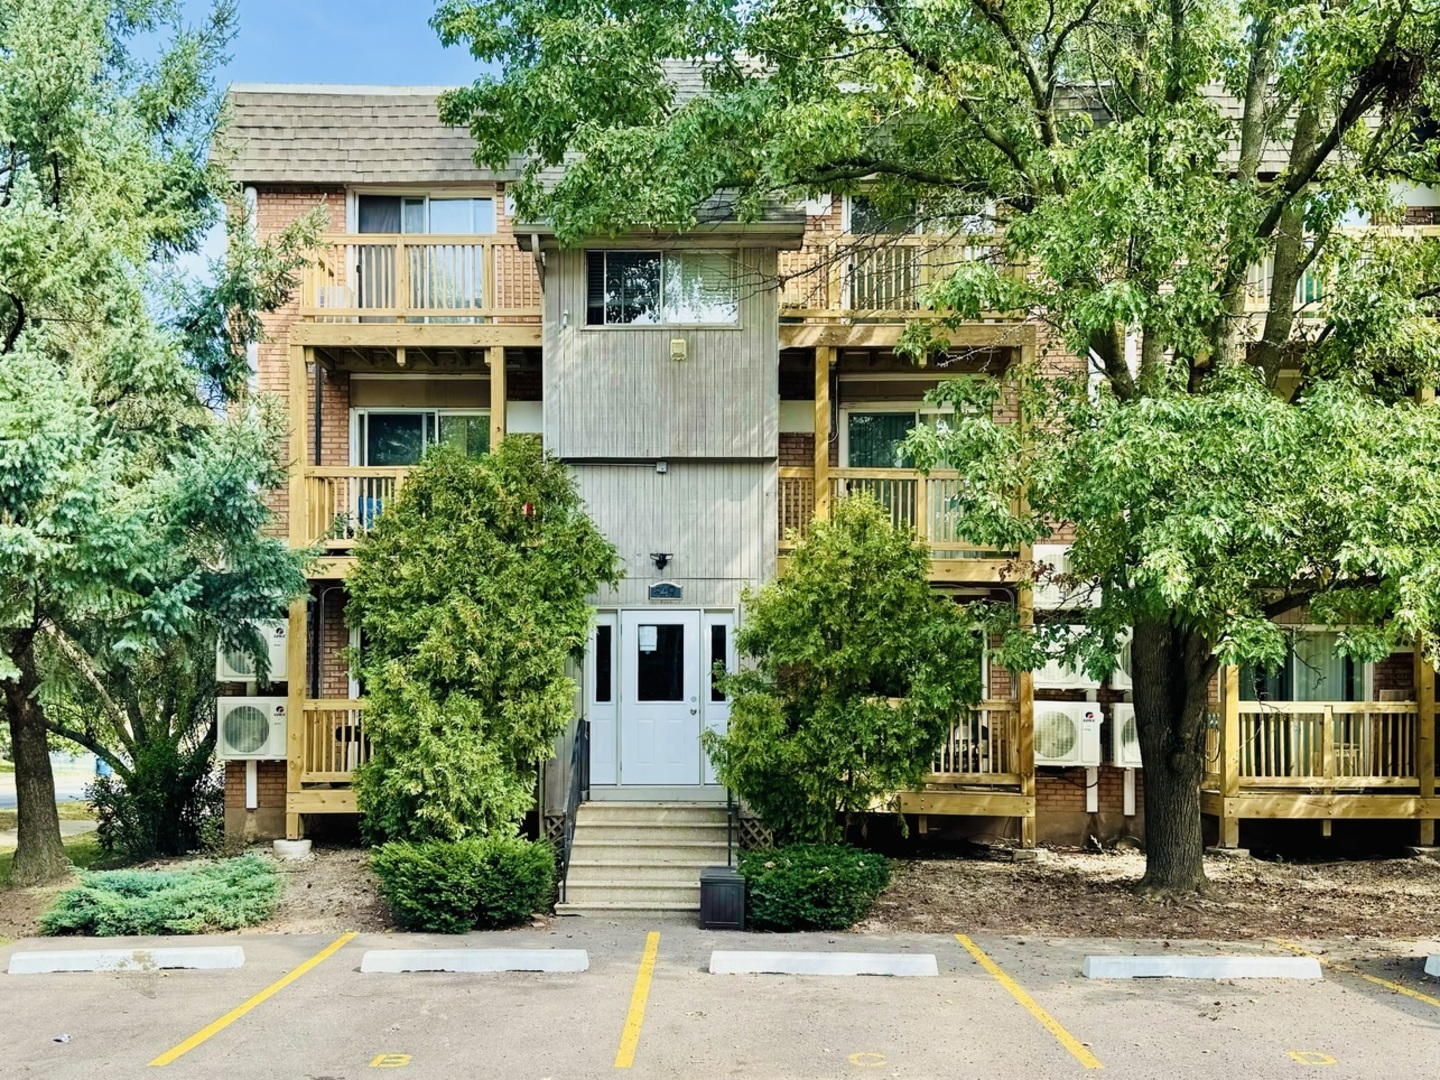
(875, 438)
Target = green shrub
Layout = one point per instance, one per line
(454, 887)
(811, 886)
(859, 667)
(200, 899)
(470, 597)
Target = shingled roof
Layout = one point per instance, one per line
(299, 134)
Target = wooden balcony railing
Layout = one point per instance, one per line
(1311, 290)
(419, 278)
(342, 502)
(870, 277)
(923, 503)
(982, 747)
(1328, 744)
(335, 740)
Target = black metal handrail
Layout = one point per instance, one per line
(579, 792)
(732, 811)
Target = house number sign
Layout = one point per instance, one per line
(665, 591)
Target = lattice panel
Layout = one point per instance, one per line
(554, 828)
(754, 834)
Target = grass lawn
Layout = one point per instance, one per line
(7, 766)
(84, 852)
(69, 811)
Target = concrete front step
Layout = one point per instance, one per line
(586, 870)
(644, 832)
(707, 852)
(603, 907)
(650, 892)
(676, 813)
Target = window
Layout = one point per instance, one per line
(872, 438)
(604, 664)
(660, 663)
(867, 219)
(655, 288)
(398, 437)
(1313, 671)
(719, 658)
(418, 214)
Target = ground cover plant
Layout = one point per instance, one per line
(203, 898)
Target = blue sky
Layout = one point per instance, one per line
(380, 42)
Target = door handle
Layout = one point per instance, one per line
(694, 712)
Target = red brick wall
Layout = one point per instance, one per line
(267, 820)
(1396, 673)
(276, 208)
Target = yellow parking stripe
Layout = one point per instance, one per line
(240, 1010)
(1348, 970)
(630, 1037)
(1048, 1022)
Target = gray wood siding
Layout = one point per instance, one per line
(614, 392)
(717, 521)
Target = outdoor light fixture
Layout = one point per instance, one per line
(661, 559)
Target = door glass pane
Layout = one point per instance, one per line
(413, 217)
(719, 657)
(379, 213)
(394, 438)
(660, 662)
(1321, 673)
(875, 438)
(450, 216)
(603, 665)
(469, 431)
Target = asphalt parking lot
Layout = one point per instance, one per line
(1001, 1007)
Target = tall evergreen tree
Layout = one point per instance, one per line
(133, 458)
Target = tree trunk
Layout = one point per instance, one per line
(39, 852)
(1171, 669)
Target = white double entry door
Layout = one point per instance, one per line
(645, 725)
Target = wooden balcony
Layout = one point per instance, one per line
(873, 278)
(360, 290)
(984, 768)
(343, 502)
(923, 503)
(1321, 760)
(334, 741)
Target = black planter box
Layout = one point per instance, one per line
(722, 899)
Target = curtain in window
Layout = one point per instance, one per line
(875, 438)
(1321, 674)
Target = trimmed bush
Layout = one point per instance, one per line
(450, 888)
(201, 899)
(811, 886)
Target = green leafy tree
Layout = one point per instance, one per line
(858, 669)
(469, 595)
(132, 456)
(1240, 464)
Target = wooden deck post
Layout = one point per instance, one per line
(297, 515)
(1025, 743)
(824, 358)
(1425, 742)
(1229, 754)
(495, 357)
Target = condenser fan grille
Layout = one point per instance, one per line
(246, 729)
(1130, 734)
(1055, 736)
(240, 662)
